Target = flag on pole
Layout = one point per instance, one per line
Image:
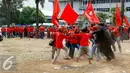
(117, 16)
(69, 15)
(56, 11)
(126, 21)
(90, 14)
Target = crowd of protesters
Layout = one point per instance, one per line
(102, 37)
(27, 31)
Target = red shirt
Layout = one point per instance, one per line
(73, 39)
(84, 38)
(31, 28)
(115, 32)
(59, 39)
(3, 29)
(50, 30)
(42, 29)
(126, 29)
(16, 29)
(21, 29)
(8, 30)
(28, 29)
(13, 29)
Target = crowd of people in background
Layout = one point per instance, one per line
(27, 31)
(103, 38)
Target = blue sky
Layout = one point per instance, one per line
(48, 6)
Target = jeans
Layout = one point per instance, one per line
(21, 35)
(83, 49)
(72, 50)
(117, 39)
(53, 52)
(58, 53)
(42, 35)
(97, 51)
(3, 34)
(67, 44)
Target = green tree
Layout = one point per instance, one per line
(28, 16)
(112, 11)
(9, 11)
(37, 9)
(102, 16)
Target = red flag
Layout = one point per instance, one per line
(56, 11)
(69, 15)
(90, 15)
(117, 16)
(126, 21)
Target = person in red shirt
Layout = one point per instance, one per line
(59, 39)
(16, 31)
(13, 30)
(84, 43)
(28, 31)
(3, 30)
(10, 32)
(31, 32)
(73, 44)
(117, 37)
(21, 30)
(49, 32)
(126, 31)
(42, 29)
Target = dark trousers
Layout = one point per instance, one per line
(72, 50)
(42, 35)
(21, 35)
(48, 35)
(3, 34)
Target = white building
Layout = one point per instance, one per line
(99, 5)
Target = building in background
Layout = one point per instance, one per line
(99, 5)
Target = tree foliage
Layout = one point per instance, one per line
(37, 10)
(102, 16)
(15, 6)
(112, 11)
(28, 16)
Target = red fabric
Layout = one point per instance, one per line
(69, 15)
(3, 29)
(90, 15)
(16, 29)
(126, 29)
(32, 28)
(117, 16)
(59, 39)
(73, 39)
(28, 29)
(56, 11)
(42, 29)
(84, 38)
(8, 30)
(49, 30)
(21, 29)
(126, 21)
(13, 29)
(115, 31)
